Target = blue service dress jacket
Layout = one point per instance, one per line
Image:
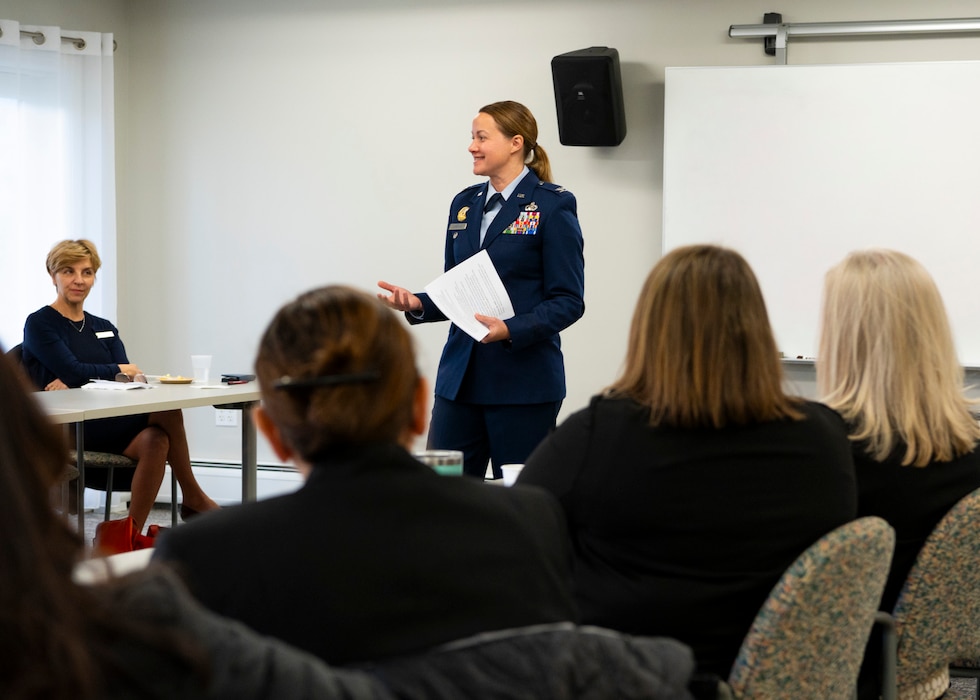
(535, 244)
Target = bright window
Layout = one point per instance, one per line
(57, 176)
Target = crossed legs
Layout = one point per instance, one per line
(164, 440)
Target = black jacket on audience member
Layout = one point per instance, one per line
(238, 664)
(683, 532)
(377, 555)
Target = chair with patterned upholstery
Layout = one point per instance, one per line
(808, 639)
(936, 621)
(110, 461)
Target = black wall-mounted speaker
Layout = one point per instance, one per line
(589, 97)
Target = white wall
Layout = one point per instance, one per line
(266, 148)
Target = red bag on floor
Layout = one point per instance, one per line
(116, 536)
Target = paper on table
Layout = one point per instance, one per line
(472, 287)
(114, 386)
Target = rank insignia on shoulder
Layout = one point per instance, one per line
(531, 207)
(561, 189)
(461, 214)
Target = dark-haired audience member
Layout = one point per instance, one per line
(887, 363)
(141, 636)
(694, 481)
(376, 555)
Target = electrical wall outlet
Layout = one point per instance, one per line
(225, 418)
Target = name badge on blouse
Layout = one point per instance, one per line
(104, 334)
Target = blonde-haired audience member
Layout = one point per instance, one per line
(887, 363)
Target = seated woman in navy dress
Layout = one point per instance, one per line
(64, 347)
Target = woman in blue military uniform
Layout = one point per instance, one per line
(497, 399)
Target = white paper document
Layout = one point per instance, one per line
(472, 287)
(110, 385)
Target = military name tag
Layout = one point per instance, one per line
(457, 227)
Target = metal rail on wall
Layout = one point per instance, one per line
(776, 33)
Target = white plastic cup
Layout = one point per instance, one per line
(202, 368)
(510, 472)
(445, 462)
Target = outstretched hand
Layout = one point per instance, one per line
(498, 329)
(400, 298)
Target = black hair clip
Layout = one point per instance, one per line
(288, 382)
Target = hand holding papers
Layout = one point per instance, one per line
(472, 287)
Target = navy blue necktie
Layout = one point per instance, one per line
(496, 197)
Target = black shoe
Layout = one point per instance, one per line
(186, 512)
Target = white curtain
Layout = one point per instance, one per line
(57, 163)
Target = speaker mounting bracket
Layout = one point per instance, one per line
(775, 45)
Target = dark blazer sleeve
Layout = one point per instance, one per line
(430, 312)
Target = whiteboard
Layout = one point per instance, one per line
(795, 166)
